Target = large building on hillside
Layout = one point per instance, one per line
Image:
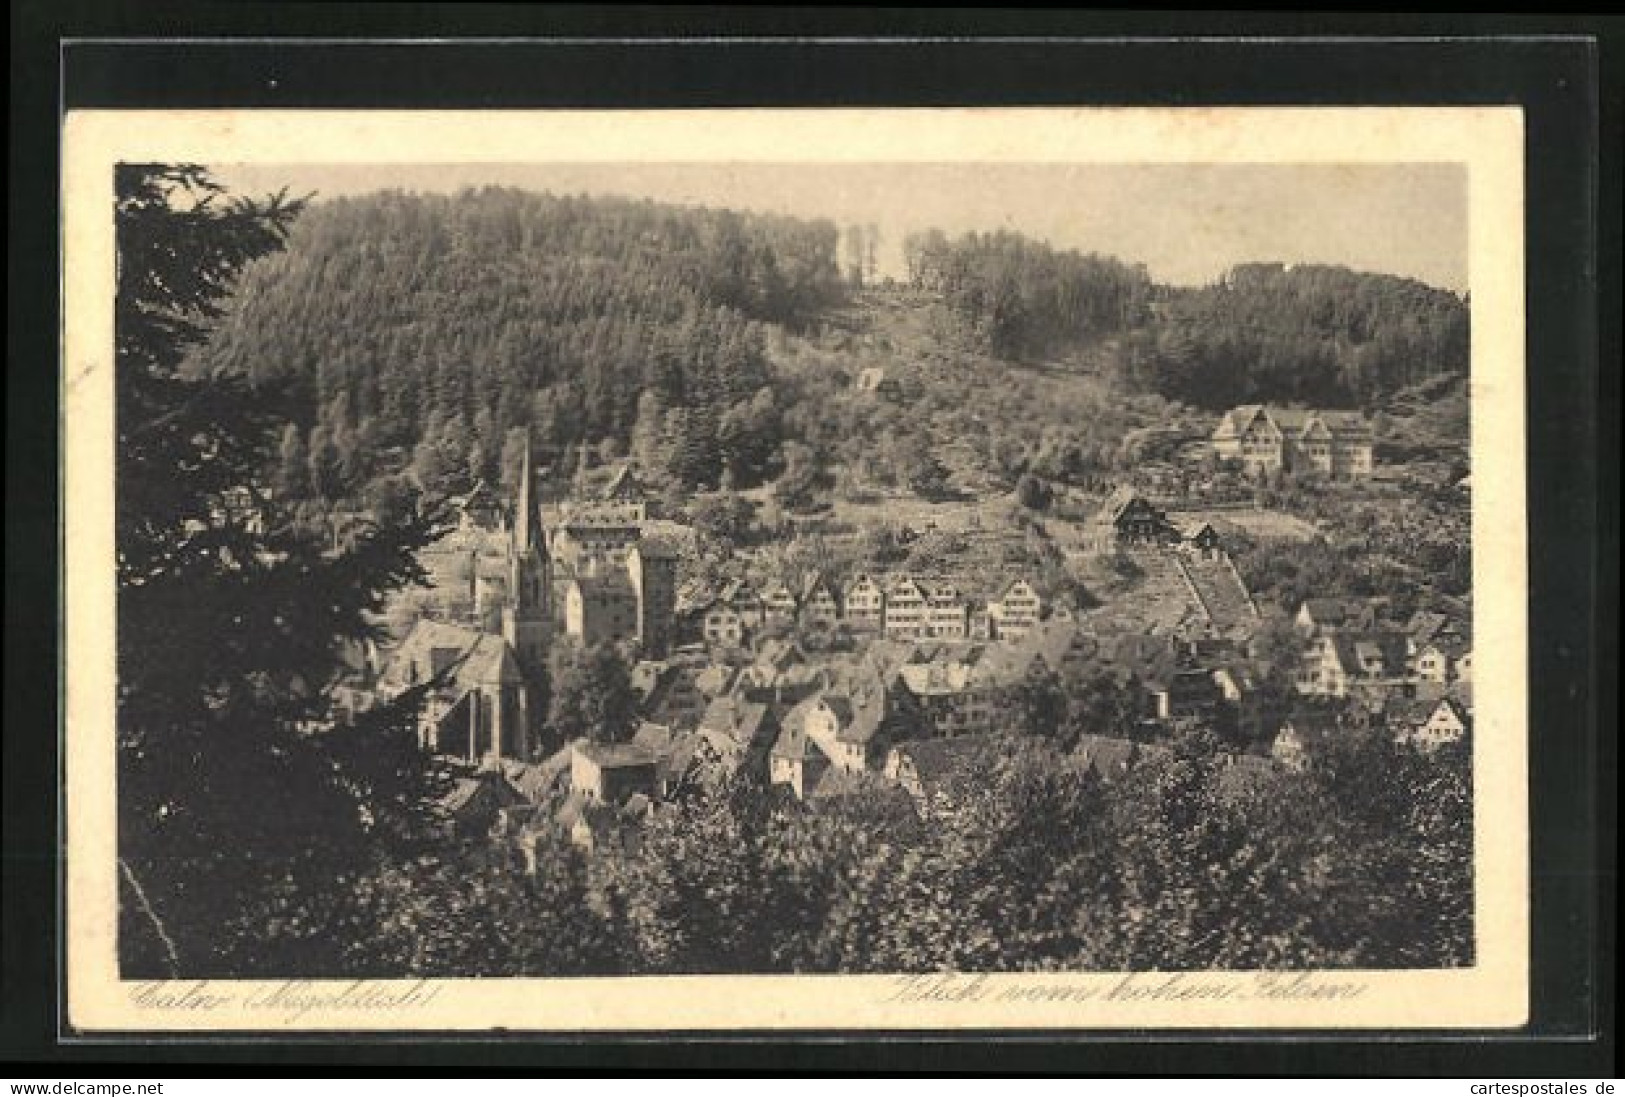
(612, 579)
(1333, 443)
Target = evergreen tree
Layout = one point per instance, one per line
(592, 694)
(648, 432)
(231, 626)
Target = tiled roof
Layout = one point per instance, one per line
(859, 712)
(616, 755)
(1292, 421)
(1355, 651)
(1114, 504)
(535, 781)
(744, 722)
(792, 742)
(477, 658)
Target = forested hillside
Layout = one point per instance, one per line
(442, 324)
(1319, 335)
(422, 335)
(1265, 332)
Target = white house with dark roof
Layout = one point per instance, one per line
(905, 613)
(1016, 611)
(796, 761)
(779, 602)
(1430, 725)
(865, 604)
(609, 773)
(819, 605)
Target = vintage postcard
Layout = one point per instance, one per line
(790, 570)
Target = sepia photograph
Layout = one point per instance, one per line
(1028, 566)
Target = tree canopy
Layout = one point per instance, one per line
(233, 622)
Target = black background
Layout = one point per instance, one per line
(1569, 87)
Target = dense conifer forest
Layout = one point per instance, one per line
(422, 334)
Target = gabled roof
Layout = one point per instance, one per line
(1354, 651)
(778, 589)
(647, 675)
(715, 680)
(736, 592)
(933, 760)
(480, 496)
(535, 781)
(793, 742)
(1113, 506)
(746, 723)
(1240, 675)
(1235, 421)
(859, 712)
(1293, 421)
(935, 679)
(1311, 725)
(1015, 586)
(1338, 612)
(466, 657)
(904, 584)
(694, 594)
(814, 582)
(624, 484)
(1191, 528)
(1345, 423)
(1420, 712)
(464, 790)
(652, 737)
(779, 653)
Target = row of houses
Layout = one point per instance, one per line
(1350, 651)
(895, 720)
(897, 607)
(1427, 724)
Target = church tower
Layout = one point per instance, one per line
(525, 621)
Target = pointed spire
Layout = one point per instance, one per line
(523, 520)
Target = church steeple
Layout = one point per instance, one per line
(525, 518)
(525, 621)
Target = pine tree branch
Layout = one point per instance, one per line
(152, 916)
